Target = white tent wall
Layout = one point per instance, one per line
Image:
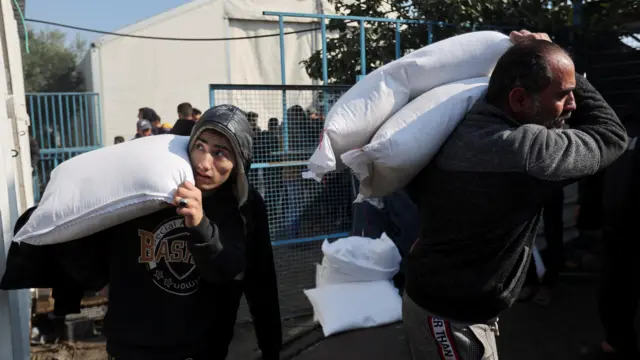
(131, 73)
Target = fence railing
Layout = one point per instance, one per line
(63, 125)
(288, 122)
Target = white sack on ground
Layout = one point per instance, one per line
(358, 258)
(109, 186)
(406, 142)
(358, 114)
(350, 306)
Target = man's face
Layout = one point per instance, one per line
(196, 117)
(553, 106)
(139, 115)
(145, 132)
(212, 159)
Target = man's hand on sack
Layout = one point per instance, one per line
(188, 200)
(517, 37)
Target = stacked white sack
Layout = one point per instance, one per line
(406, 142)
(353, 287)
(109, 186)
(360, 112)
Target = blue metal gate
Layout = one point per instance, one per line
(288, 122)
(63, 125)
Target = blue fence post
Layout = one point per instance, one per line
(363, 49)
(283, 77)
(75, 121)
(325, 66)
(87, 121)
(68, 120)
(398, 49)
(60, 112)
(212, 96)
(99, 120)
(430, 32)
(81, 111)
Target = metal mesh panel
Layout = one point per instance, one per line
(288, 122)
(64, 125)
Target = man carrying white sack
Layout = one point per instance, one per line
(481, 198)
(175, 280)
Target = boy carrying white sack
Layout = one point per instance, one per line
(481, 197)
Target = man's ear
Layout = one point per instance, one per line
(519, 100)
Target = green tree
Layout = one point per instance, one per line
(601, 22)
(50, 65)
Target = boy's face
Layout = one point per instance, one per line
(212, 159)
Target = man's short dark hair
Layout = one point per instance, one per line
(196, 111)
(118, 140)
(185, 110)
(149, 114)
(525, 65)
(252, 116)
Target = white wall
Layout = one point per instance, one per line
(160, 74)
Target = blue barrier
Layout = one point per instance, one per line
(64, 125)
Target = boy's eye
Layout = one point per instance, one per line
(199, 146)
(220, 153)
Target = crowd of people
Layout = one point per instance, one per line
(466, 225)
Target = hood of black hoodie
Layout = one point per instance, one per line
(232, 122)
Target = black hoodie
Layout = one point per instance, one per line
(173, 291)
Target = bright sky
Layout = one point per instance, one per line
(109, 15)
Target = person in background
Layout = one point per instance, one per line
(158, 128)
(482, 196)
(619, 292)
(118, 140)
(185, 122)
(316, 124)
(253, 120)
(193, 266)
(144, 129)
(196, 114)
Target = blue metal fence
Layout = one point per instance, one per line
(301, 212)
(64, 125)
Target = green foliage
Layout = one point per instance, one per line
(455, 17)
(50, 66)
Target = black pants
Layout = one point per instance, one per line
(620, 290)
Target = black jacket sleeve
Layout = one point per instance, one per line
(218, 258)
(261, 288)
(80, 263)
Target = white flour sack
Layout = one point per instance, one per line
(412, 136)
(358, 114)
(109, 186)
